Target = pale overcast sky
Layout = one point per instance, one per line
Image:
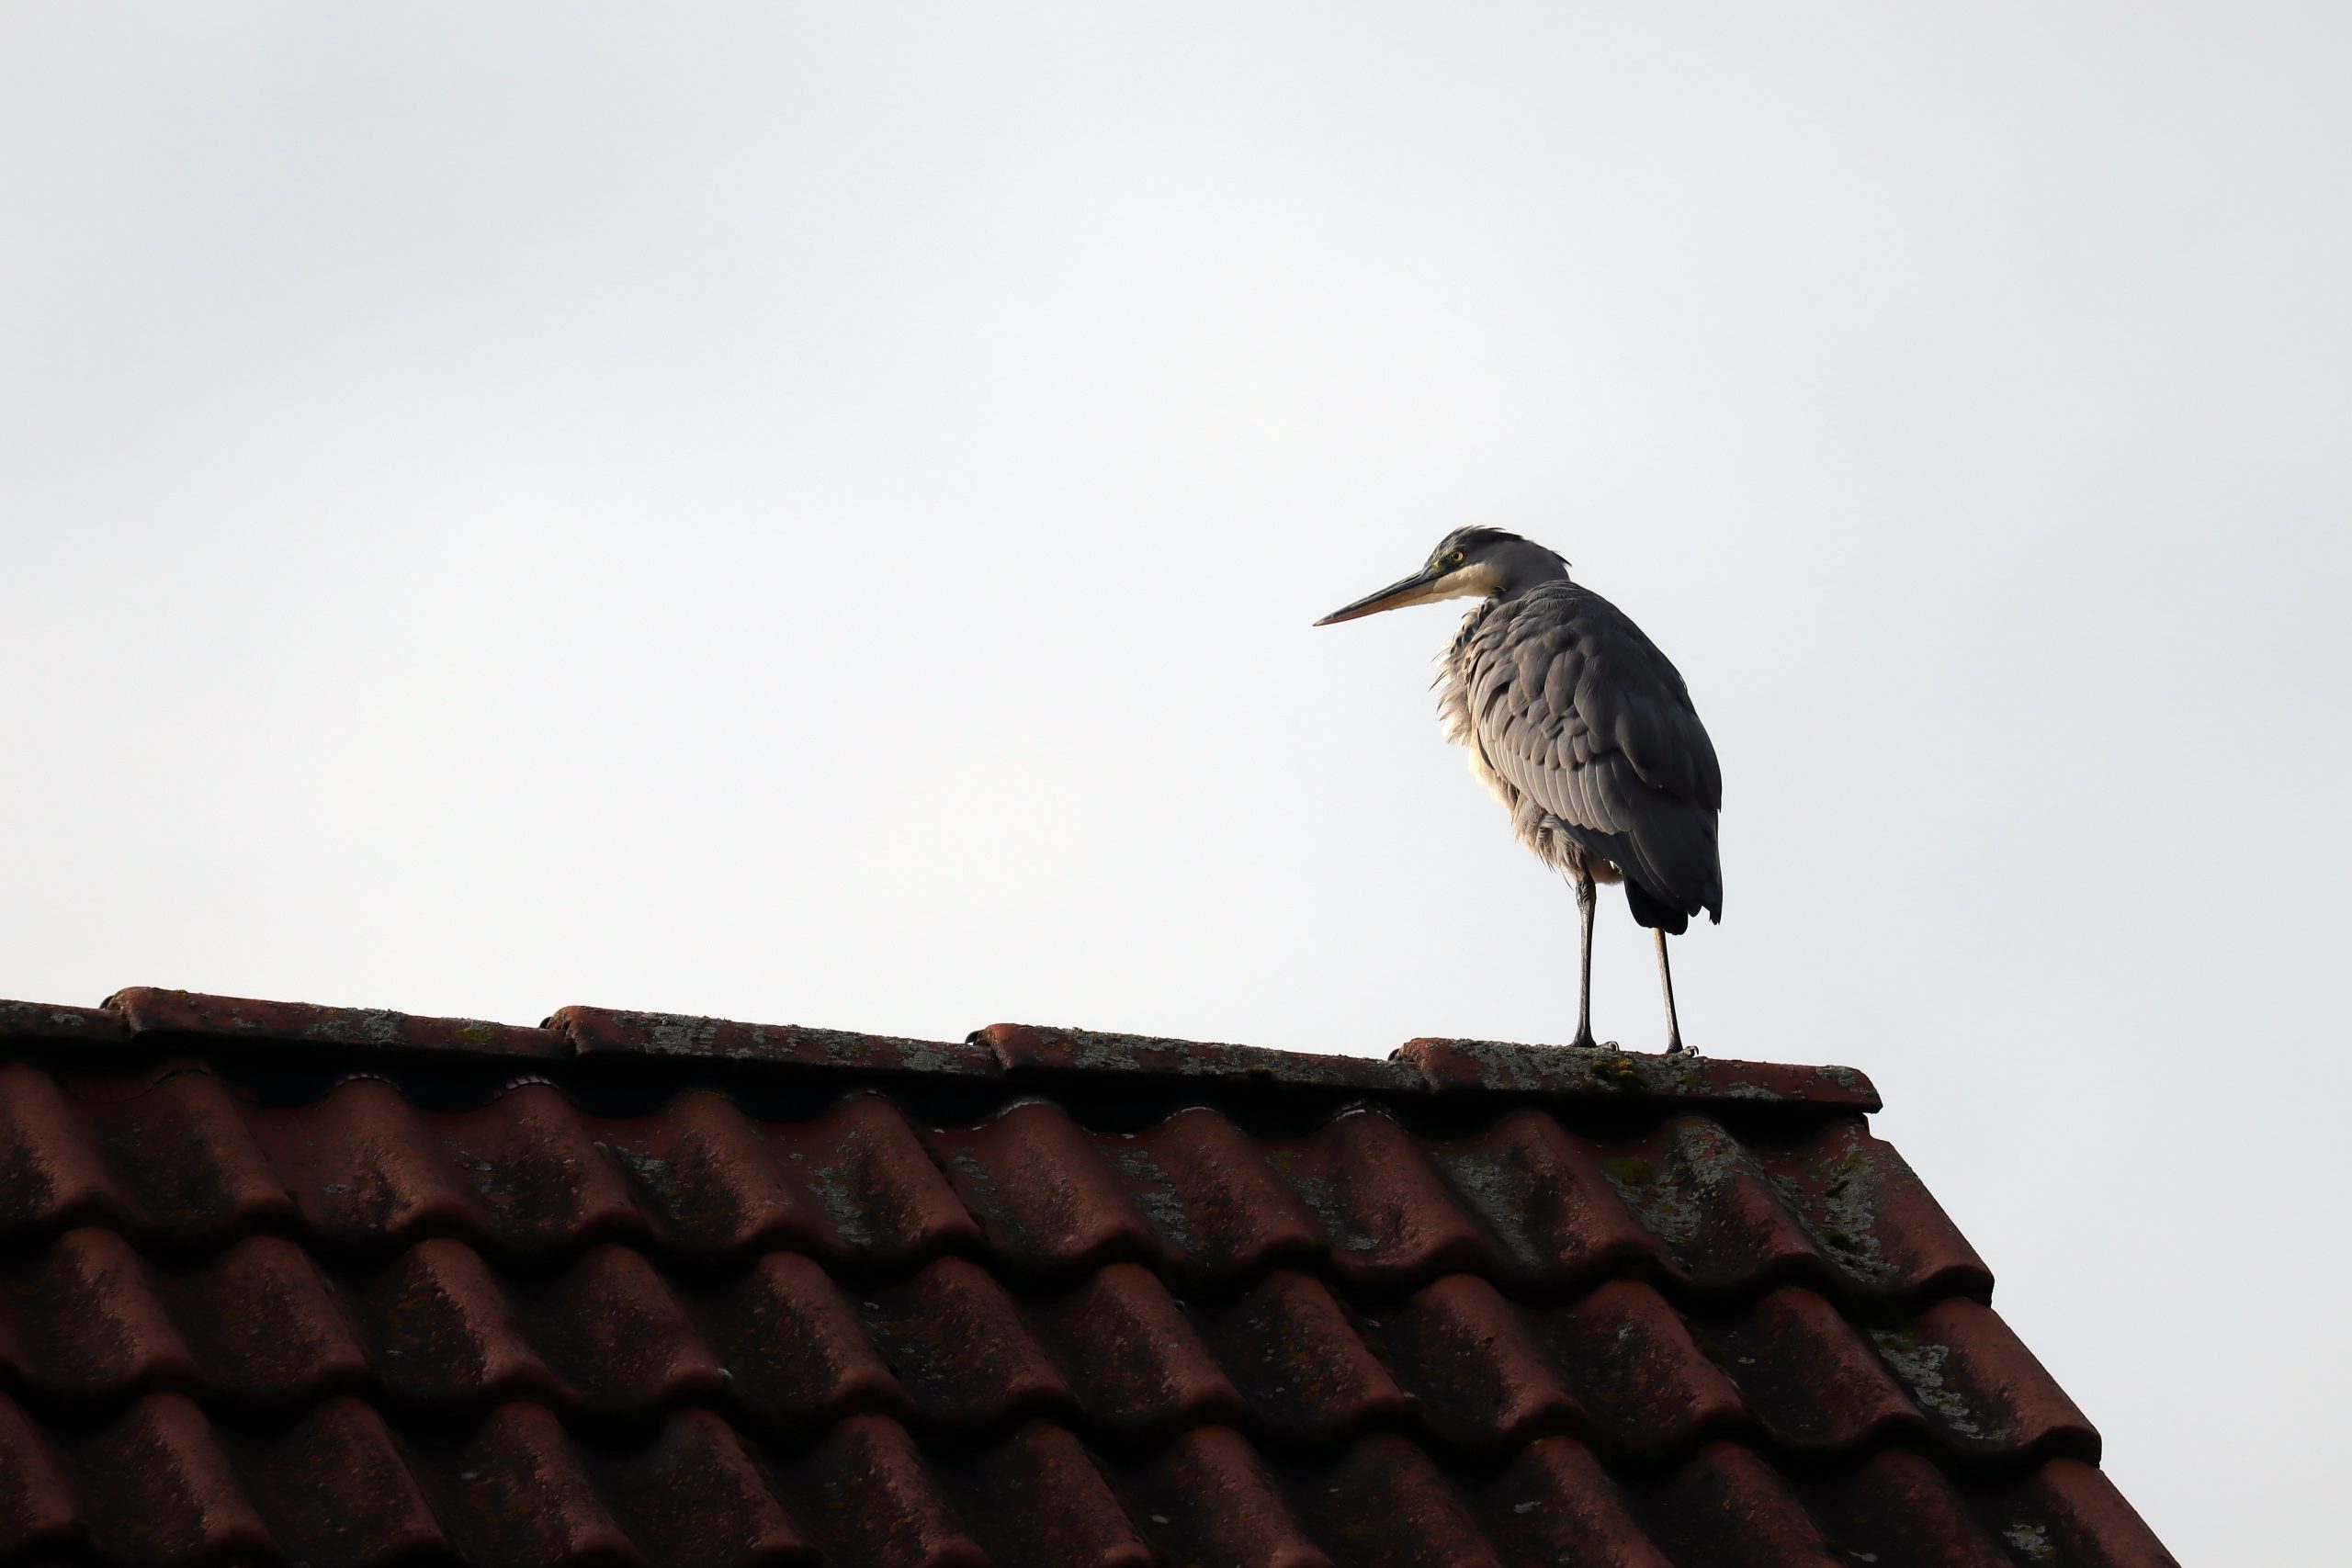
(812, 514)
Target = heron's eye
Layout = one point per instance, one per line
(1454, 560)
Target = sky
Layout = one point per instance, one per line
(812, 514)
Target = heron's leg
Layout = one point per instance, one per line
(1581, 880)
(1674, 1046)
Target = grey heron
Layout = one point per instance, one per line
(1584, 731)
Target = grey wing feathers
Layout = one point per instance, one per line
(1582, 711)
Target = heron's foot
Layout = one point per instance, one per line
(1584, 1040)
(1674, 1047)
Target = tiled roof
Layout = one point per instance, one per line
(289, 1284)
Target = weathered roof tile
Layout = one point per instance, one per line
(1039, 1497)
(954, 1339)
(41, 1023)
(1727, 1507)
(1135, 1358)
(603, 1033)
(697, 1497)
(292, 1284)
(1555, 1504)
(1305, 1372)
(1208, 1497)
(881, 1503)
(37, 1498)
(148, 1012)
(518, 1490)
(1025, 1048)
(1495, 1067)
(159, 1488)
(1047, 1201)
(1813, 1378)
(339, 1491)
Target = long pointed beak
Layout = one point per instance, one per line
(1413, 590)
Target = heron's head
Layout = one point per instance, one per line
(1469, 563)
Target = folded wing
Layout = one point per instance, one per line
(1570, 702)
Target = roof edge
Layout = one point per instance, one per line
(1450, 1069)
(1500, 1066)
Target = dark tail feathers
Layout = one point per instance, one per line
(1650, 911)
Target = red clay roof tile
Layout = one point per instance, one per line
(518, 1490)
(1980, 1386)
(2065, 1513)
(1138, 1361)
(159, 1487)
(1479, 1368)
(46, 1022)
(1555, 1504)
(1897, 1507)
(1217, 1208)
(1040, 1497)
(147, 1012)
(1306, 1373)
(1388, 1217)
(1727, 1507)
(1540, 1194)
(880, 1503)
(282, 1283)
(1047, 1201)
(697, 1496)
(1027, 1049)
(1387, 1503)
(38, 1510)
(1813, 1379)
(1208, 1497)
(798, 1357)
(602, 1033)
(339, 1492)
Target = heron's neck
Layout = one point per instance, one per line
(1523, 566)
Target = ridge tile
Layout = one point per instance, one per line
(1603, 1071)
(596, 1032)
(147, 1012)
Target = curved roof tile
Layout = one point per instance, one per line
(343, 1286)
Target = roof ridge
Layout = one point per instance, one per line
(1453, 1069)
